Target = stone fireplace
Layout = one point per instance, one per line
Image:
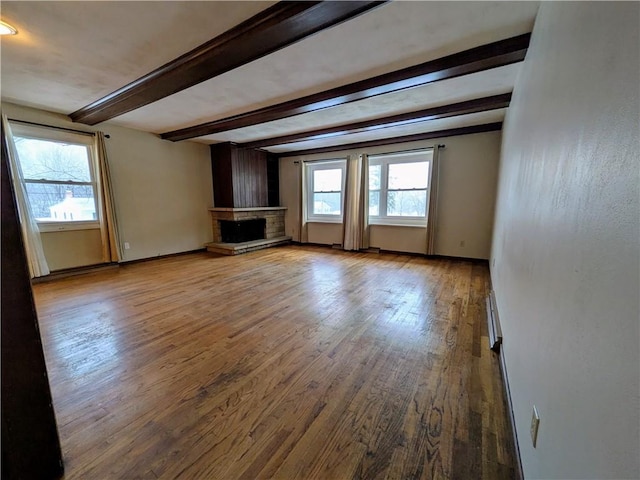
(271, 217)
(246, 194)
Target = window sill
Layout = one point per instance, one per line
(404, 225)
(325, 220)
(395, 223)
(47, 227)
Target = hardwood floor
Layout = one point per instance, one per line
(293, 362)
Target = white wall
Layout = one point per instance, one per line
(468, 178)
(566, 243)
(325, 233)
(468, 175)
(72, 248)
(398, 239)
(162, 191)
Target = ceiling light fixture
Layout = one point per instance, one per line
(6, 29)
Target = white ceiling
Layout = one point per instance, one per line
(392, 132)
(489, 82)
(69, 54)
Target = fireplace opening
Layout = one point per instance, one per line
(238, 231)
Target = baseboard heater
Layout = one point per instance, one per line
(495, 332)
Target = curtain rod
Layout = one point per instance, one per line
(57, 128)
(438, 146)
(324, 160)
(411, 150)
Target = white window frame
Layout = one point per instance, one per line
(61, 136)
(386, 159)
(333, 164)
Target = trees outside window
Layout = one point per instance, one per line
(58, 171)
(325, 190)
(399, 187)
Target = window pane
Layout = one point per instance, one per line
(408, 175)
(327, 203)
(407, 204)
(374, 203)
(374, 177)
(61, 203)
(47, 160)
(327, 180)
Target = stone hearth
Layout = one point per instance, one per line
(273, 235)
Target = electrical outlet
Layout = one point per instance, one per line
(126, 245)
(535, 423)
(462, 243)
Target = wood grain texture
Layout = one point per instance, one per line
(270, 30)
(293, 362)
(273, 180)
(250, 182)
(222, 174)
(240, 177)
(478, 59)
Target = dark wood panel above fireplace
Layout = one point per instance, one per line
(241, 178)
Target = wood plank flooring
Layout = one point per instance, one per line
(293, 362)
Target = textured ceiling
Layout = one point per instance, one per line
(69, 54)
(490, 82)
(414, 128)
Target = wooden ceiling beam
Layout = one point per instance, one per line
(276, 27)
(451, 132)
(461, 108)
(478, 59)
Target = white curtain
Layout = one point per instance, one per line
(352, 194)
(111, 246)
(30, 233)
(433, 201)
(356, 218)
(304, 234)
(363, 214)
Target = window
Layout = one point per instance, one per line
(399, 188)
(59, 174)
(325, 187)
